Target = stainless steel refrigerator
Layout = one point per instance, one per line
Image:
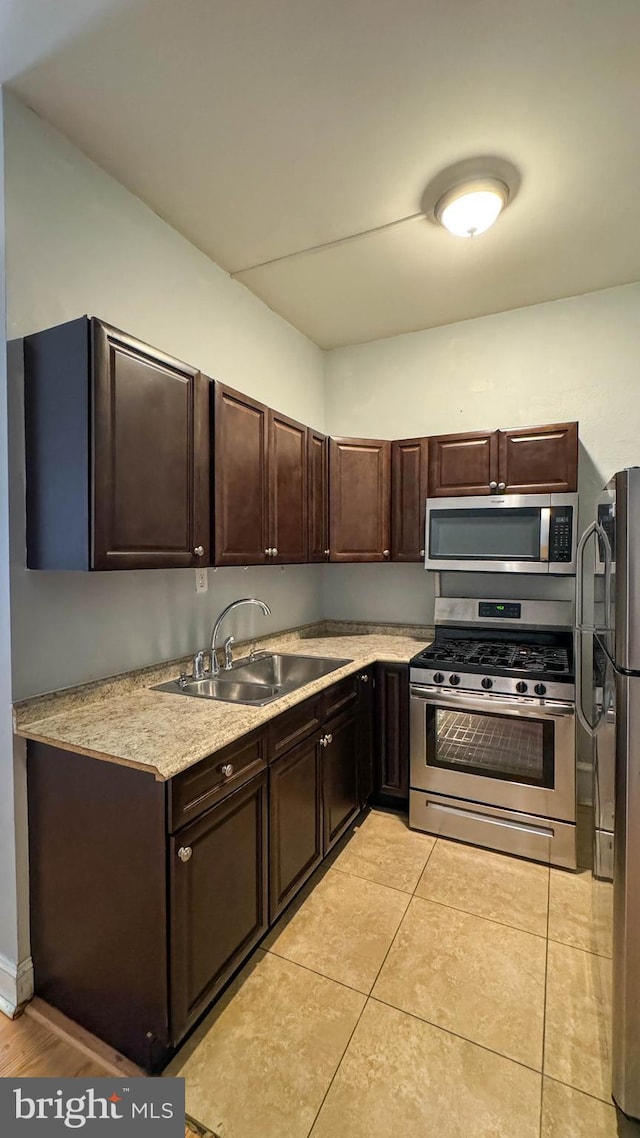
(608, 633)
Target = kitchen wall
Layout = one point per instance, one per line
(78, 241)
(569, 359)
(13, 862)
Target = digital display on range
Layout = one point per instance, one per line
(510, 610)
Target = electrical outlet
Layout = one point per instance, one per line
(202, 581)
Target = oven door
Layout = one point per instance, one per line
(504, 751)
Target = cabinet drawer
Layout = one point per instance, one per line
(339, 696)
(293, 726)
(206, 783)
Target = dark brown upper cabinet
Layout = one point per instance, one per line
(462, 464)
(526, 460)
(318, 495)
(359, 499)
(241, 433)
(539, 459)
(409, 482)
(117, 452)
(260, 481)
(287, 478)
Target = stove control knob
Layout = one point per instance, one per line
(487, 682)
(454, 680)
(438, 678)
(540, 689)
(521, 687)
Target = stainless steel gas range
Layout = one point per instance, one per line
(493, 746)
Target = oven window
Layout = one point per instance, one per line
(485, 535)
(495, 746)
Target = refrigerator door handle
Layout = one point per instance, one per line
(582, 544)
(581, 714)
(608, 565)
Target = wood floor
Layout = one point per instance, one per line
(28, 1047)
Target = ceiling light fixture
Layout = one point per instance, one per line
(472, 206)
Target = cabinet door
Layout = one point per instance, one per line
(409, 484)
(219, 903)
(151, 457)
(539, 460)
(392, 730)
(295, 822)
(240, 480)
(318, 496)
(463, 464)
(339, 777)
(288, 536)
(366, 776)
(359, 500)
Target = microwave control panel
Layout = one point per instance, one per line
(561, 534)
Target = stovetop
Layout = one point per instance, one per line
(498, 657)
(526, 663)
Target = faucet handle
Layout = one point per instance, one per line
(228, 656)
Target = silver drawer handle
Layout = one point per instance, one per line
(199, 550)
(184, 853)
(227, 770)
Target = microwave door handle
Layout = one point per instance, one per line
(545, 526)
(582, 544)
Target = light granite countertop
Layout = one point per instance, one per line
(121, 720)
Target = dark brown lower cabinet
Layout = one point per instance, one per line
(392, 731)
(340, 800)
(366, 771)
(147, 897)
(218, 888)
(295, 822)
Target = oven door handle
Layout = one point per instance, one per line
(550, 708)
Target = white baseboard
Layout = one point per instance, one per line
(16, 985)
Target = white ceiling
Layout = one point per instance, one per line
(259, 128)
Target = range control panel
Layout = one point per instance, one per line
(509, 610)
(560, 533)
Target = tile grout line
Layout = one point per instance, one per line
(382, 884)
(456, 1035)
(338, 1066)
(314, 972)
(481, 917)
(368, 997)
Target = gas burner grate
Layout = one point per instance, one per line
(498, 654)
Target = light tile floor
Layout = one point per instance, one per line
(420, 988)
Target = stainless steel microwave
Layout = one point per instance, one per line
(509, 533)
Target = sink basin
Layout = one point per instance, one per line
(256, 682)
(287, 671)
(232, 691)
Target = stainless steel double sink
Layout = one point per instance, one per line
(256, 681)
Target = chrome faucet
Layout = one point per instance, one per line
(215, 667)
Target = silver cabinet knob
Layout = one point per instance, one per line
(386, 553)
(329, 739)
(227, 770)
(274, 552)
(502, 486)
(268, 552)
(422, 552)
(327, 552)
(364, 677)
(323, 740)
(184, 853)
(199, 550)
